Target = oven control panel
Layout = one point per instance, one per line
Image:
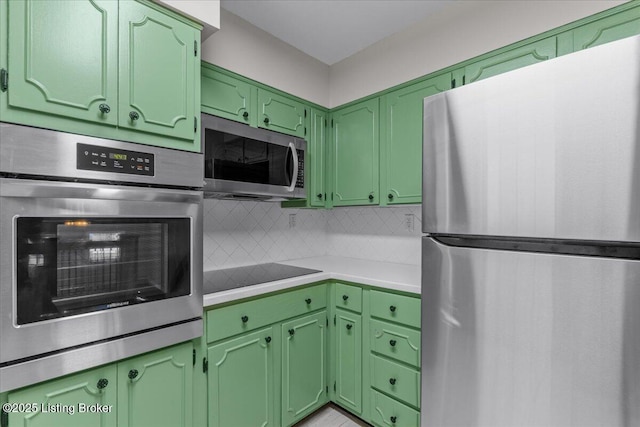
(106, 159)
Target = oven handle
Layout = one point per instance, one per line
(11, 187)
(294, 177)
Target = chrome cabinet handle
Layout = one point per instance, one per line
(294, 178)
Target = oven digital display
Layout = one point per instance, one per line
(105, 159)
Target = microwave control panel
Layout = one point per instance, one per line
(106, 159)
(300, 177)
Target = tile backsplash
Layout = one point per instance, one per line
(244, 232)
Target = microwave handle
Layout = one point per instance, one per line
(294, 177)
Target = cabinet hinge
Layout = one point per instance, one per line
(194, 357)
(327, 321)
(334, 319)
(331, 122)
(4, 416)
(305, 113)
(4, 80)
(464, 78)
(334, 386)
(327, 389)
(305, 131)
(195, 125)
(195, 48)
(332, 196)
(205, 365)
(325, 123)
(453, 83)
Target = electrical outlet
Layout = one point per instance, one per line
(408, 222)
(292, 220)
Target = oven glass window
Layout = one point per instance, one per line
(69, 266)
(237, 158)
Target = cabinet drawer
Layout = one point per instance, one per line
(349, 297)
(397, 308)
(388, 412)
(398, 381)
(238, 318)
(396, 342)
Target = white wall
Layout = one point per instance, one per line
(448, 37)
(207, 12)
(247, 50)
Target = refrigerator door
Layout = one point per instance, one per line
(517, 339)
(547, 151)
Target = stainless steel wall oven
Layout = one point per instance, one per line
(100, 251)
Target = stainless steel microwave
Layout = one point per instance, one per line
(242, 162)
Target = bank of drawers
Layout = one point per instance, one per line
(242, 317)
(395, 359)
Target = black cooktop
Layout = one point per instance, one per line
(231, 278)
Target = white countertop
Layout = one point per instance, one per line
(386, 275)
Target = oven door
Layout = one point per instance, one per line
(83, 263)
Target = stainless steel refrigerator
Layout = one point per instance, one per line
(531, 252)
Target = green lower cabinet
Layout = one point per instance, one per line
(349, 360)
(241, 381)
(304, 386)
(150, 390)
(70, 401)
(396, 380)
(155, 389)
(387, 412)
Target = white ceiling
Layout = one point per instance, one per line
(331, 30)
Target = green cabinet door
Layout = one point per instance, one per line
(355, 154)
(605, 30)
(401, 140)
(281, 114)
(157, 82)
(349, 360)
(510, 60)
(155, 389)
(316, 158)
(71, 401)
(226, 96)
(241, 381)
(304, 386)
(63, 58)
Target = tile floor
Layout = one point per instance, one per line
(331, 416)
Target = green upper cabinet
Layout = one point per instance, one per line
(401, 140)
(281, 113)
(506, 61)
(355, 154)
(614, 27)
(303, 366)
(63, 58)
(158, 56)
(155, 389)
(55, 399)
(317, 158)
(226, 96)
(125, 70)
(241, 381)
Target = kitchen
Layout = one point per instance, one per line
(240, 233)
